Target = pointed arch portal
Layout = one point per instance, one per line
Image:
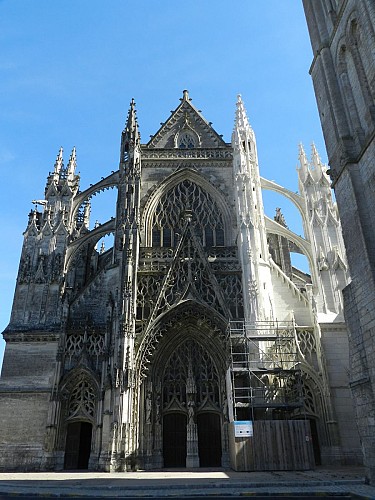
(191, 407)
(185, 395)
(79, 393)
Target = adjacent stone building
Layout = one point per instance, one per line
(342, 35)
(194, 327)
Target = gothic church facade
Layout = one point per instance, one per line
(147, 354)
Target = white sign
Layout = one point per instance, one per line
(243, 428)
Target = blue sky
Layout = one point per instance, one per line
(69, 68)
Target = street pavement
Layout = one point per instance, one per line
(324, 482)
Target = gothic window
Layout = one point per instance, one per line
(186, 140)
(219, 233)
(167, 219)
(156, 236)
(82, 400)
(167, 236)
(209, 234)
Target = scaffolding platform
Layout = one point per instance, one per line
(265, 369)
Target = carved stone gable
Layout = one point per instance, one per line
(186, 129)
(190, 277)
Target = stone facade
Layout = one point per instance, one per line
(343, 70)
(122, 358)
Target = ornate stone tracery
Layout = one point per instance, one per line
(168, 219)
(190, 362)
(82, 401)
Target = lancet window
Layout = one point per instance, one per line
(167, 222)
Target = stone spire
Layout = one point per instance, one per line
(242, 129)
(252, 238)
(130, 138)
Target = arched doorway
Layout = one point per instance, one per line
(78, 445)
(184, 363)
(192, 409)
(174, 439)
(78, 417)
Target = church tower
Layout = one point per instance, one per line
(343, 71)
(151, 353)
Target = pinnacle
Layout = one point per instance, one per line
(72, 163)
(315, 158)
(73, 155)
(132, 114)
(241, 120)
(131, 126)
(59, 158)
(302, 156)
(59, 163)
(303, 167)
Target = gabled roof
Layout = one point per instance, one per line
(186, 119)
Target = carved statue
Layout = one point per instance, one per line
(148, 407)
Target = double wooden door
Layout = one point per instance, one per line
(175, 439)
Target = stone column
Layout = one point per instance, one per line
(192, 458)
(158, 443)
(148, 428)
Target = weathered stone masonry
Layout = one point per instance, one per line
(343, 70)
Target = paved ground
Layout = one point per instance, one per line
(188, 483)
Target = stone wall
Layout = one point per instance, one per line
(336, 350)
(25, 388)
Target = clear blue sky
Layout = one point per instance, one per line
(69, 68)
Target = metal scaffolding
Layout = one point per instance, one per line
(265, 370)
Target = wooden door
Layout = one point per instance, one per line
(174, 440)
(209, 439)
(78, 445)
(315, 442)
